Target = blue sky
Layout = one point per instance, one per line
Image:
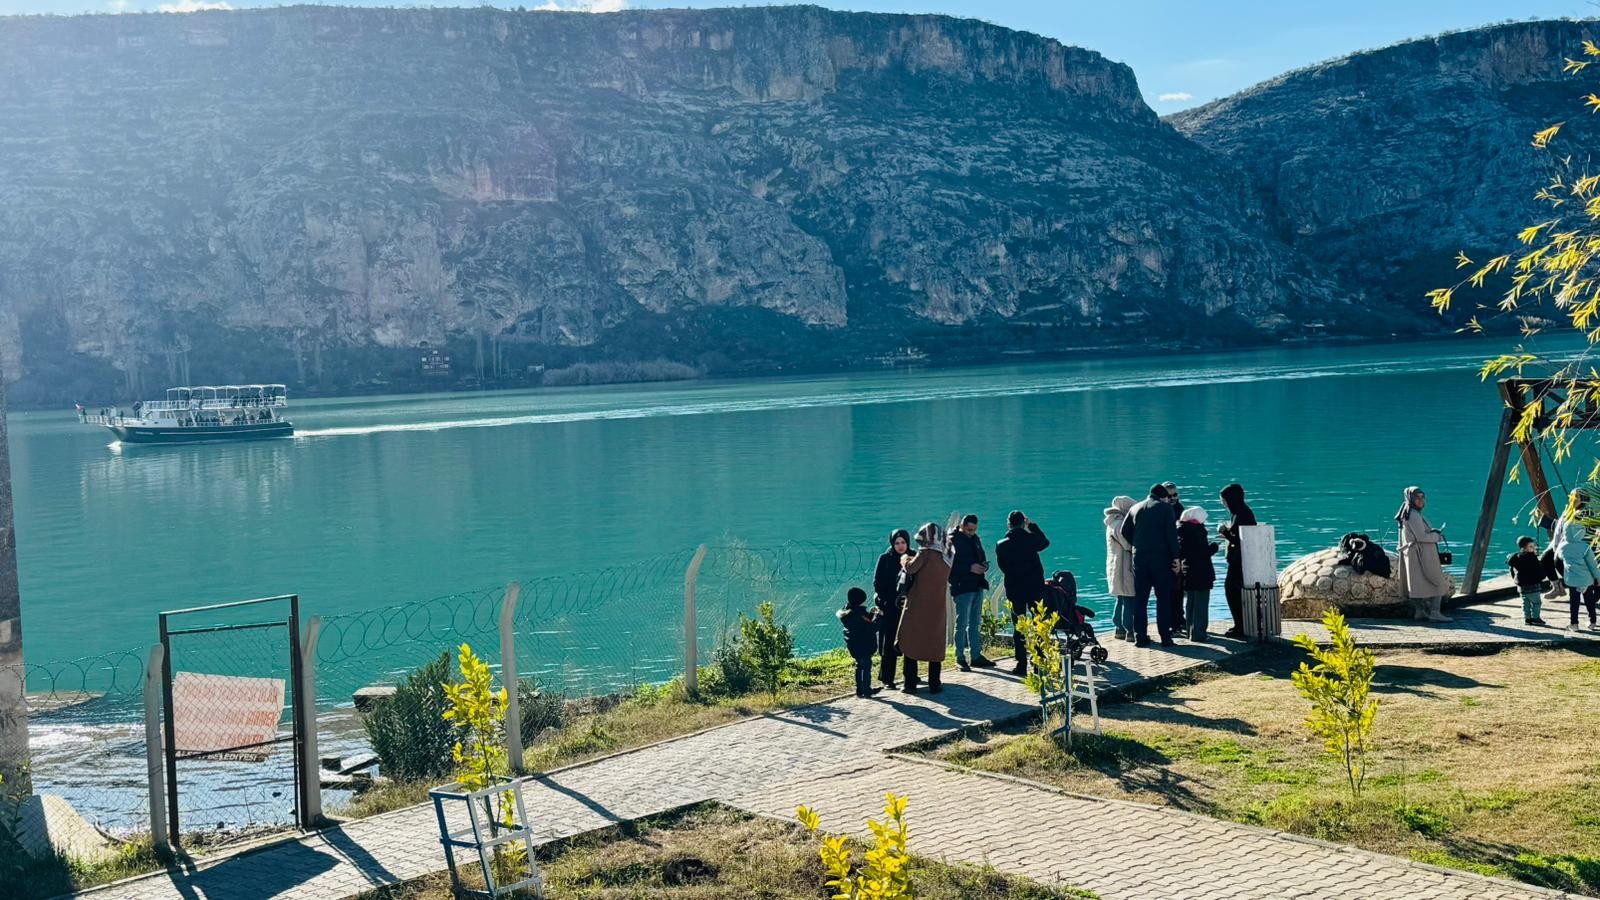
(1185, 52)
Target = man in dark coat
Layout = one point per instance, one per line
(1152, 529)
(1018, 557)
(968, 570)
(1233, 583)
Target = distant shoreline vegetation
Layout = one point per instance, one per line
(579, 374)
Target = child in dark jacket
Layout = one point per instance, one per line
(1528, 571)
(860, 638)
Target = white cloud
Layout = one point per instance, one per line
(1175, 97)
(594, 6)
(188, 6)
(118, 6)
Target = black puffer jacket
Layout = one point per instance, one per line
(1018, 556)
(860, 630)
(969, 551)
(1196, 549)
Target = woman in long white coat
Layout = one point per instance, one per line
(1119, 567)
(1422, 577)
(1579, 568)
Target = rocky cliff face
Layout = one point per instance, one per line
(1381, 165)
(309, 194)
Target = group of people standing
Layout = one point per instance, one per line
(1155, 546)
(1160, 546)
(914, 579)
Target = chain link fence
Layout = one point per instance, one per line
(86, 735)
(580, 635)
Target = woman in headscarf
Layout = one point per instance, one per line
(886, 596)
(1196, 548)
(1422, 578)
(1119, 567)
(922, 623)
(1580, 570)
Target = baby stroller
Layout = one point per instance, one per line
(1061, 598)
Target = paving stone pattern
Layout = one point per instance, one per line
(831, 756)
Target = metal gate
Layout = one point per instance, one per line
(234, 726)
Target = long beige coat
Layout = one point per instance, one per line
(1420, 572)
(922, 624)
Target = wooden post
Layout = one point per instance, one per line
(13, 677)
(1491, 501)
(508, 676)
(155, 752)
(691, 635)
(305, 694)
(1531, 462)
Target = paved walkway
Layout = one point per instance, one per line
(1490, 623)
(830, 756)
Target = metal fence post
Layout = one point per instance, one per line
(691, 634)
(305, 694)
(508, 676)
(155, 756)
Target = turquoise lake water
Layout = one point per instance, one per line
(594, 498)
(392, 500)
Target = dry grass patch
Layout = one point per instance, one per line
(714, 852)
(1483, 762)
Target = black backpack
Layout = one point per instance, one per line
(1362, 553)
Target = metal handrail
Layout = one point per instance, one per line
(217, 404)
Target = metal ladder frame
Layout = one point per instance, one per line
(1077, 687)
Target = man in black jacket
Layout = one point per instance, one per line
(1018, 556)
(1233, 585)
(967, 584)
(1152, 529)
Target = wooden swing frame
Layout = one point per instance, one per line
(1517, 395)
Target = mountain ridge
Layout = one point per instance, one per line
(319, 195)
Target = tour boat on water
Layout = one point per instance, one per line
(235, 412)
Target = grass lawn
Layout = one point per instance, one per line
(1483, 762)
(650, 714)
(714, 852)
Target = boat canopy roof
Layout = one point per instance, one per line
(226, 391)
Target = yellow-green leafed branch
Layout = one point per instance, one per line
(1339, 686)
(885, 872)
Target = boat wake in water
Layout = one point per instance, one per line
(950, 384)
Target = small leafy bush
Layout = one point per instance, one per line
(734, 675)
(1339, 688)
(1045, 672)
(885, 870)
(768, 647)
(480, 755)
(408, 731)
(540, 709)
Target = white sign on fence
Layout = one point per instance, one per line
(225, 716)
(1258, 553)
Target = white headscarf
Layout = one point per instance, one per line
(1406, 509)
(932, 537)
(1118, 510)
(1194, 514)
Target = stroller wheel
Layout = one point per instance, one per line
(1077, 652)
(1099, 654)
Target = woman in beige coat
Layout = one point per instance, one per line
(922, 623)
(1422, 578)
